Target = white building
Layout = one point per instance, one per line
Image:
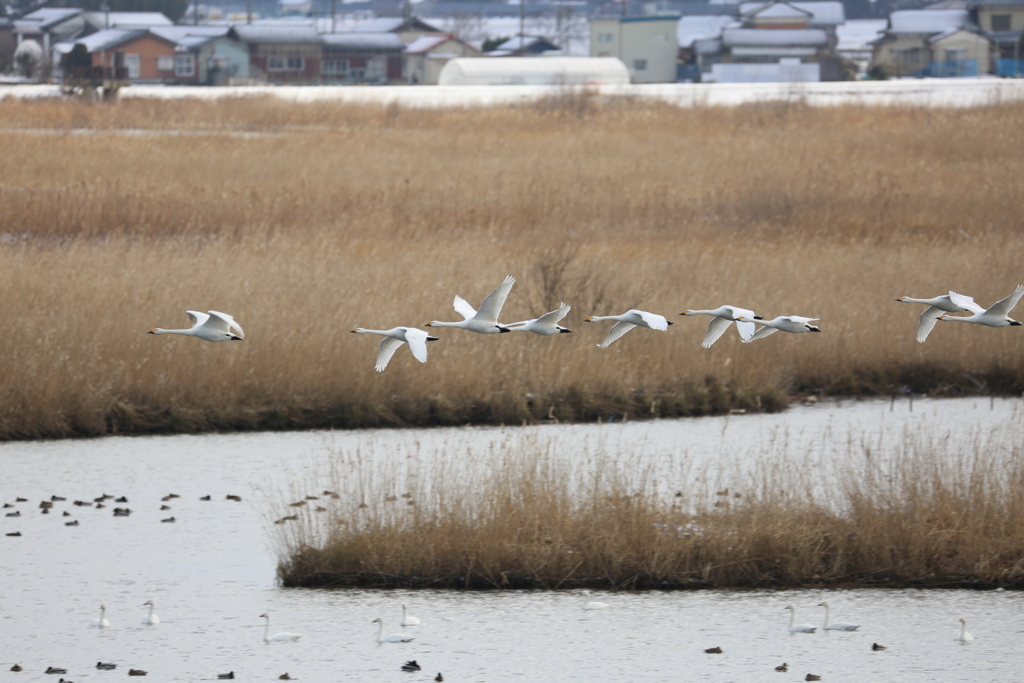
(648, 46)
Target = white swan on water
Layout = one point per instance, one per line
(393, 638)
(151, 619)
(627, 321)
(282, 637)
(997, 315)
(484, 321)
(798, 628)
(394, 338)
(964, 636)
(722, 317)
(951, 303)
(787, 323)
(213, 327)
(102, 621)
(839, 625)
(592, 604)
(546, 325)
(406, 619)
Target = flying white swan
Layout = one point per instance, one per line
(151, 619)
(279, 637)
(997, 315)
(951, 303)
(786, 323)
(592, 604)
(627, 321)
(839, 625)
(722, 317)
(406, 619)
(798, 628)
(395, 337)
(102, 621)
(546, 325)
(484, 321)
(964, 636)
(214, 327)
(393, 638)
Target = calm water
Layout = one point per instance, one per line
(211, 572)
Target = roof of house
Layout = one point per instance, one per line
(277, 33)
(107, 39)
(42, 20)
(191, 37)
(995, 3)
(360, 40)
(857, 34)
(102, 20)
(517, 43)
(927, 22)
(774, 10)
(393, 25)
(425, 44)
(701, 27)
(771, 37)
(825, 13)
(948, 32)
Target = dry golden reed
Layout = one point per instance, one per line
(307, 220)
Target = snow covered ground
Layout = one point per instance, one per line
(967, 92)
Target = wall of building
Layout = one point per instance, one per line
(147, 48)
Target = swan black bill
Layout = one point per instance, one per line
(565, 332)
(433, 338)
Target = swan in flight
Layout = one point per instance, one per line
(214, 327)
(406, 619)
(592, 604)
(798, 628)
(279, 637)
(393, 638)
(951, 303)
(102, 621)
(837, 626)
(997, 315)
(546, 325)
(151, 619)
(722, 317)
(484, 321)
(627, 321)
(786, 323)
(395, 337)
(964, 636)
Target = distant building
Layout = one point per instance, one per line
(938, 43)
(648, 45)
(211, 55)
(1002, 22)
(426, 57)
(282, 53)
(523, 46)
(362, 57)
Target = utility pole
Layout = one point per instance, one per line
(522, 18)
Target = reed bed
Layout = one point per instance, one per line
(305, 221)
(547, 512)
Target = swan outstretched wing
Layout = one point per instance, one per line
(417, 343)
(618, 329)
(388, 346)
(746, 330)
(491, 307)
(232, 326)
(653, 320)
(553, 317)
(716, 329)
(1004, 306)
(463, 307)
(965, 302)
(926, 323)
(196, 317)
(760, 334)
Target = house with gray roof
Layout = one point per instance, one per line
(1002, 22)
(282, 53)
(426, 56)
(361, 57)
(218, 56)
(938, 43)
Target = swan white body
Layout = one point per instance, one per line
(213, 327)
(627, 321)
(785, 323)
(997, 315)
(102, 621)
(282, 637)
(484, 321)
(394, 338)
(722, 317)
(151, 619)
(406, 619)
(546, 325)
(393, 638)
(839, 625)
(964, 636)
(798, 628)
(590, 605)
(951, 303)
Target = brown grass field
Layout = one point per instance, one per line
(307, 220)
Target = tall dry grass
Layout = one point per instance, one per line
(541, 512)
(304, 221)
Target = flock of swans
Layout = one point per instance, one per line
(215, 326)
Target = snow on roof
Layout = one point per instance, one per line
(701, 27)
(46, 17)
(572, 37)
(516, 42)
(361, 40)
(946, 34)
(857, 34)
(176, 33)
(773, 9)
(825, 13)
(788, 37)
(106, 39)
(279, 33)
(426, 43)
(927, 21)
(379, 25)
(534, 71)
(127, 19)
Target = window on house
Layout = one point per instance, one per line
(375, 70)
(956, 55)
(184, 65)
(131, 63)
(606, 37)
(285, 63)
(1000, 22)
(640, 65)
(165, 63)
(334, 67)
